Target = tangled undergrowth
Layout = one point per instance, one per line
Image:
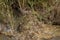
(29, 19)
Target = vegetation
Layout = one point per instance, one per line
(30, 19)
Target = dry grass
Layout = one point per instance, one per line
(30, 25)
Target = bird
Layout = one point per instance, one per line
(16, 8)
